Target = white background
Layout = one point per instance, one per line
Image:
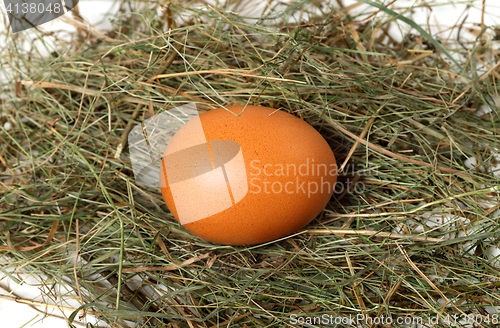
(13, 315)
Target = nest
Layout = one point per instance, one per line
(413, 123)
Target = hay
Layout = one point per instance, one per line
(412, 241)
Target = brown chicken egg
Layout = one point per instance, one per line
(246, 179)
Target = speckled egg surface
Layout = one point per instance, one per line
(247, 179)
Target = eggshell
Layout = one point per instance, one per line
(247, 179)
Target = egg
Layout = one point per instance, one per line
(245, 175)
